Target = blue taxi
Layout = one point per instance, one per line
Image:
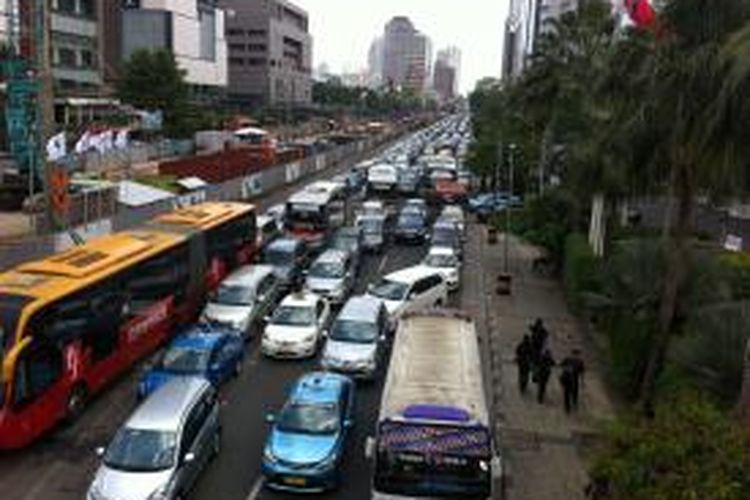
(307, 439)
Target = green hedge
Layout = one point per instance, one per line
(738, 268)
(582, 271)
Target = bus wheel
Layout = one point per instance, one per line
(76, 402)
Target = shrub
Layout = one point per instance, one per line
(738, 268)
(582, 273)
(690, 450)
(546, 221)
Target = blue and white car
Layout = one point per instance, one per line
(306, 444)
(214, 356)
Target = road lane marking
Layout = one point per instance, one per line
(257, 488)
(382, 265)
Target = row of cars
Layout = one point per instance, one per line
(299, 305)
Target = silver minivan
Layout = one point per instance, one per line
(244, 297)
(356, 343)
(164, 446)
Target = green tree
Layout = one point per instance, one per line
(696, 145)
(152, 80)
(689, 451)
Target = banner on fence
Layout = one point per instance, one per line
(252, 185)
(293, 172)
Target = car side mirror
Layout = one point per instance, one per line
(267, 319)
(325, 334)
(370, 288)
(383, 338)
(100, 451)
(348, 423)
(270, 418)
(188, 458)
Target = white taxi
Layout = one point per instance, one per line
(297, 326)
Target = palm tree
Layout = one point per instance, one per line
(696, 146)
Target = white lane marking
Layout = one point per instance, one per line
(382, 265)
(255, 491)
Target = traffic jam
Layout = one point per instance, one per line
(328, 326)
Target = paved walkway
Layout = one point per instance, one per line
(546, 448)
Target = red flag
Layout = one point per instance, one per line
(641, 12)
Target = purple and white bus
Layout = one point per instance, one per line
(433, 437)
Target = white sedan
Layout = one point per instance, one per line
(297, 327)
(446, 262)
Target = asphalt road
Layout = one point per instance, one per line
(262, 387)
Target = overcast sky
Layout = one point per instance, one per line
(344, 29)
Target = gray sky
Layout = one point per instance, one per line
(344, 29)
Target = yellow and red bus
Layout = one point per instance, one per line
(71, 323)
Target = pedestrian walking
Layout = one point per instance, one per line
(542, 373)
(524, 354)
(539, 336)
(571, 379)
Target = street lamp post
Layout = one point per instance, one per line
(511, 160)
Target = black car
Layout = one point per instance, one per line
(411, 227)
(289, 258)
(446, 233)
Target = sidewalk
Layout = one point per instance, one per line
(545, 447)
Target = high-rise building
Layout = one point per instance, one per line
(270, 52)
(407, 56)
(447, 73)
(6, 18)
(76, 56)
(193, 30)
(520, 30)
(375, 63)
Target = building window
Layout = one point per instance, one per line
(256, 61)
(237, 47)
(87, 8)
(87, 59)
(67, 57)
(257, 47)
(236, 61)
(256, 32)
(235, 32)
(66, 6)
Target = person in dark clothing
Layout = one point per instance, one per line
(539, 336)
(571, 379)
(542, 372)
(523, 360)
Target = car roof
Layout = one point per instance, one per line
(206, 341)
(248, 275)
(165, 408)
(283, 244)
(301, 298)
(411, 274)
(360, 308)
(332, 255)
(318, 387)
(442, 223)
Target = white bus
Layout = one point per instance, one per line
(313, 213)
(433, 437)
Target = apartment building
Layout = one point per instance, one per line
(270, 53)
(407, 56)
(193, 30)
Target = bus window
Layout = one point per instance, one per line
(10, 311)
(158, 278)
(226, 240)
(36, 371)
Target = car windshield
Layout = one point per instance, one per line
(309, 418)
(233, 295)
(443, 236)
(440, 260)
(389, 290)
(354, 331)
(185, 360)
(410, 220)
(327, 270)
(294, 316)
(278, 257)
(139, 450)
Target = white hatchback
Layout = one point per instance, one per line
(446, 262)
(297, 326)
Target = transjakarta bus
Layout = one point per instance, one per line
(433, 437)
(313, 213)
(71, 323)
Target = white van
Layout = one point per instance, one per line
(382, 178)
(412, 289)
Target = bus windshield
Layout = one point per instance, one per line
(305, 216)
(433, 460)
